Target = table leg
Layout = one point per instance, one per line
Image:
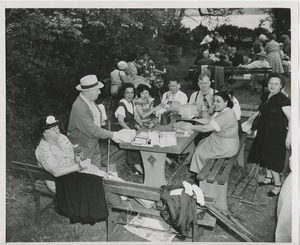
(154, 168)
(190, 148)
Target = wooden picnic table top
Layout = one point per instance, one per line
(182, 142)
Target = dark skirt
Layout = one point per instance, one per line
(268, 148)
(81, 198)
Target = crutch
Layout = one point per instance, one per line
(252, 175)
(108, 149)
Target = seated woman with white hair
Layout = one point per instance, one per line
(120, 76)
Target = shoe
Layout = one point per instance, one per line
(262, 183)
(272, 193)
(137, 171)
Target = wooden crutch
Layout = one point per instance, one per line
(108, 149)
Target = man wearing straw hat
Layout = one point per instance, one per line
(85, 120)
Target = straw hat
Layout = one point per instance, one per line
(89, 82)
(122, 65)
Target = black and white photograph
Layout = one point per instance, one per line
(150, 122)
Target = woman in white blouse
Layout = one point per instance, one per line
(128, 118)
(224, 139)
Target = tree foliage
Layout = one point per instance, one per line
(176, 34)
(280, 19)
(49, 50)
(199, 33)
(219, 11)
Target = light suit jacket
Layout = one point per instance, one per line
(81, 129)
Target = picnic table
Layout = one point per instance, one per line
(232, 71)
(154, 157)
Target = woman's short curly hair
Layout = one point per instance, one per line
(277, 75)
(225, 97)
(124, 86)
(141, 88)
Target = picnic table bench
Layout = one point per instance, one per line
(248, 110)
(135, 190)
(37, 176)
(38, 188)
(231, 71)
(214, 176)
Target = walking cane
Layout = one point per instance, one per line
(108, 149)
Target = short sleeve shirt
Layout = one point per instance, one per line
(198, 98)
(121, 111)
(179, 97)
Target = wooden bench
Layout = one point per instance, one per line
(38, 188)
(134, 190)
(37, 177)
(248, 110)
(231, 71)
(214, 176)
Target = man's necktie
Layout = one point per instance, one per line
(205, 101)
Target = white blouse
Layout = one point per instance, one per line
(129, 106)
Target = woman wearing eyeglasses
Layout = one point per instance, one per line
(273, 134)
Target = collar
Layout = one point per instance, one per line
(175, 93)
(210, 91)
(126, 102)
(85, 99)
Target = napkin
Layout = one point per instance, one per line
(126, 135)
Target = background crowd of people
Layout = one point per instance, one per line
(274, 53)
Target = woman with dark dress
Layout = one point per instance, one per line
(273, 133)
(78, 184)
(128, 118)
